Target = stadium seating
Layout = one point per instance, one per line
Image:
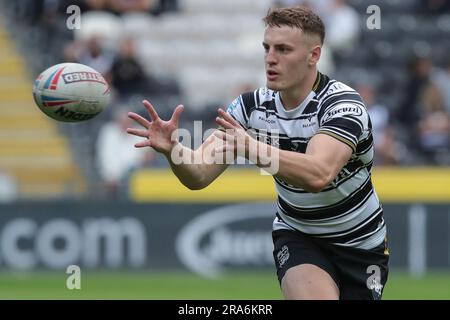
(31, 150)
(213, 48)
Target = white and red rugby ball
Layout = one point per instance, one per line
(71, 92)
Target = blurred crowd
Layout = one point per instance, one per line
(410, 118)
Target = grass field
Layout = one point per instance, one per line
(180, 286)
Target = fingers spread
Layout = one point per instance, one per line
(142, 144)
(142, 121)
(138, 132)
(228, 117)
(153, 115)
(176, 114)
(224, 123)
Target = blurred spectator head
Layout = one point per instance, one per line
(127, 47)
(122, 6)
(388, 151)
(434, 6)
(434, 125)
(94, 46)
(96, 4)
(420, 66)
(431, 99)
(367, 93)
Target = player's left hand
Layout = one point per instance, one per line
(235, 138)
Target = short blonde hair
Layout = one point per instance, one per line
(297, 17)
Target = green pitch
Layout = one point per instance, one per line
(162, 286)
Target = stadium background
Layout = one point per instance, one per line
(79, 194)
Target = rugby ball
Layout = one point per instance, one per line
(71, 92)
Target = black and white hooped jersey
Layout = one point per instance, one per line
(347, 212)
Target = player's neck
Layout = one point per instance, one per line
(294, 97)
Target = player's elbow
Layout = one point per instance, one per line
(314, 187)
(195, 186)
(318, 184)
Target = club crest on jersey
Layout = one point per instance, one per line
(337, 87)
(343, 110)
(233, 105)
(82, 76)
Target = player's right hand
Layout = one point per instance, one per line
(159, 134)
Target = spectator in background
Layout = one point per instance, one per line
(386, 148)
(90, 53)
(95, 57)
(126, 74)
(44, 20)
(441, 79)
(343, 26)
(165, 6)
(95, 4)
(341, 20)
(434, 125)
(122, 6)
(116, 6)
(434, 6)
(84, 5)
(129, 78)
(116, 156)
(408, 113)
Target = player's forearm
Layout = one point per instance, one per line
(297, 169)
(304, 171)
(184, 164)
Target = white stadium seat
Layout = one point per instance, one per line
(99, 23)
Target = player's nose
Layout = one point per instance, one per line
(270, 57)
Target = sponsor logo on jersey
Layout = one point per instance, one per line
(343, 110)
(307, 125)
(266, 120)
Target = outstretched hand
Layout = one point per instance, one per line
(158, 133)
(235, 137)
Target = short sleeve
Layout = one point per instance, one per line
(345, 122)
(236, 110)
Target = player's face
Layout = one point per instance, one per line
(287, 52)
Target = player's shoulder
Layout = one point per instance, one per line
(257, 97)
(336, 88)
(252, 100)
(247, 102)
(337, 92)
(341, 100)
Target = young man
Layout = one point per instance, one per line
(329, 233)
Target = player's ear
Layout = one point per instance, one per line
(314, 55)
